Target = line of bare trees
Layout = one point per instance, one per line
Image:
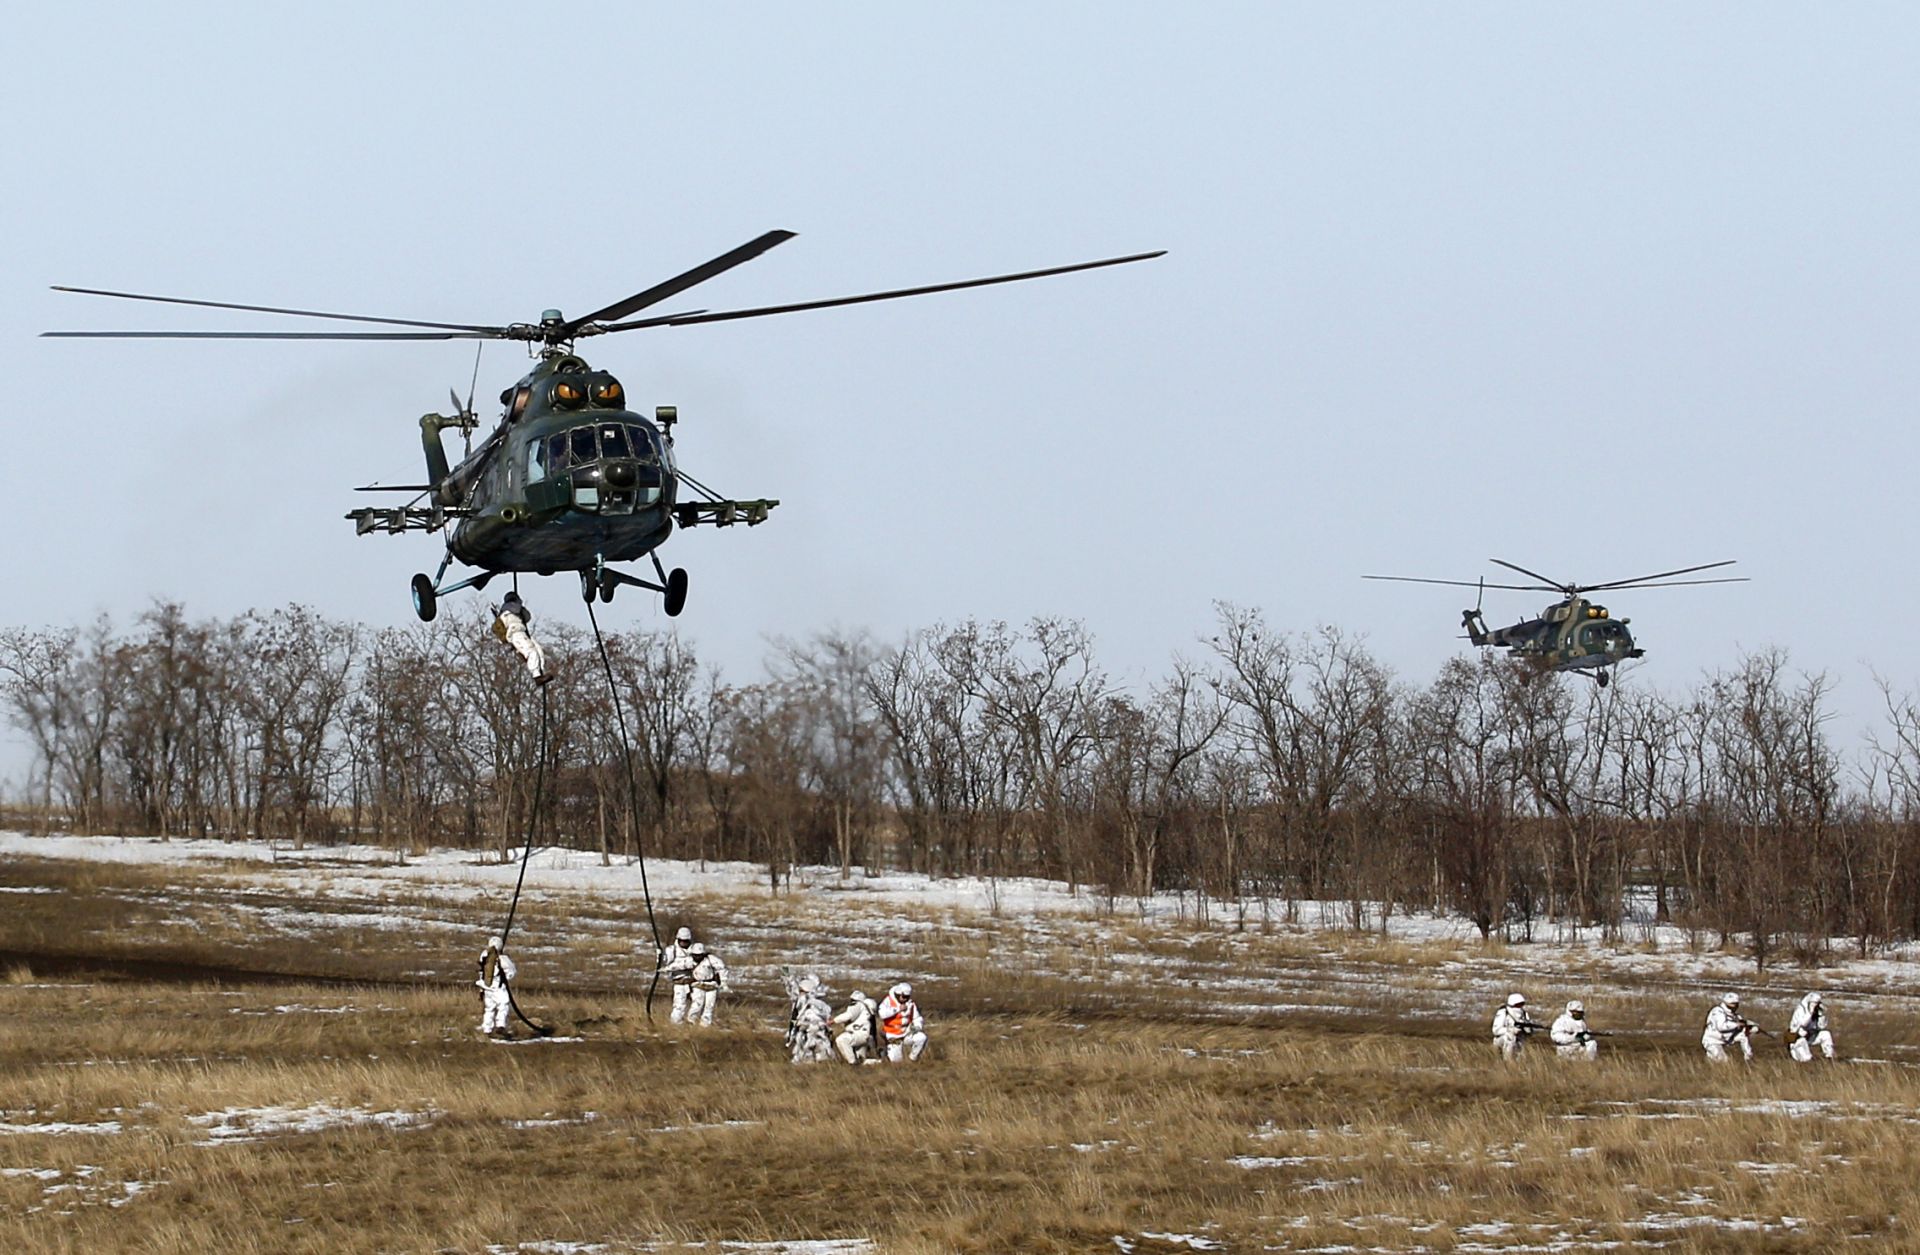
(1274, 769)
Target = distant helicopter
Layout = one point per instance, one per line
(1573, 634)
(569, 479)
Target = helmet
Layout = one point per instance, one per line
(809, 982)
(1730, 1000)
(1813, 999)
(1576, 1007)
(494, 943)
(699, 947)
(685, 934)
(902, 990)
(1516, 1000)
(859, 997)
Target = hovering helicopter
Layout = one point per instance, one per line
(1573, 634)
(569, 479)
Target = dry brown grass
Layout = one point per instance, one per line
(1075, 1093)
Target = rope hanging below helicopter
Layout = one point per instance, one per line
(633, 799)
(526, 853)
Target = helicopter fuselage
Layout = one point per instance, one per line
(570, 480)
(1571, 635)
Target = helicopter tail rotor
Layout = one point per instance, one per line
(464, 416)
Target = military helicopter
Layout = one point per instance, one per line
(569, 479)
(1573, 634)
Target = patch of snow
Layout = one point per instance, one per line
(1321, 1184)
(1189, 1240)
(256, 1124)
(585, 1117)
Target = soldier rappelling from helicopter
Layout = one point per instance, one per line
(511, 623)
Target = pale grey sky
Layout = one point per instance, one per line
(1598, 289)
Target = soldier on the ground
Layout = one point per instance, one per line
(858, 1041)
(1512, 1026)
(1572, 1036)
(807, 1025)
(901, 1024)
(1726, 1027)
(1809, 1031)
(677, 962)
(496, 971)
(709, 982)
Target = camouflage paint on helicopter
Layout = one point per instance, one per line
(1573, 634)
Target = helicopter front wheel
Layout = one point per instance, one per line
(425, 600)
(607, 584)
(1602, 678)
(676, 598)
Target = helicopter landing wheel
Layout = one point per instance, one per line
(425, 600)
(607, 584)
(676, 599)
(1603, 679)
(588, 585)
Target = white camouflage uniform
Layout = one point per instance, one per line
(513, 618)
(496, 970)
(709, 982)
(1726, 1027)
(807, 1029)
(855, 1041)
(1511, 1027)
(1571, 1037)
(677, 962)
(1809, 1029)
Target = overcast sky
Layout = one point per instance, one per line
(1602, 290)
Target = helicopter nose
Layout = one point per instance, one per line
(621, 474)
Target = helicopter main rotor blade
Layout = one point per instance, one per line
(267, 335)
(1641, 579)
(1552, 584)
(681, 282)
(763, 311)
(1731, 579)
(274, 309)
(1519, 588)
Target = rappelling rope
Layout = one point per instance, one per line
(526, 854)
(633, 802)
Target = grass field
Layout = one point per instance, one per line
(200, 1059)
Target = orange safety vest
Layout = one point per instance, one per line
(896, 1023)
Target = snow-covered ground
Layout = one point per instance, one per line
(869, 928)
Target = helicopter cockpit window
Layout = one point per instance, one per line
(518, 406)
(557, 453)
(1602, 632)
(613, 441)
(536, 460)
(583, 446)
(642, 444)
